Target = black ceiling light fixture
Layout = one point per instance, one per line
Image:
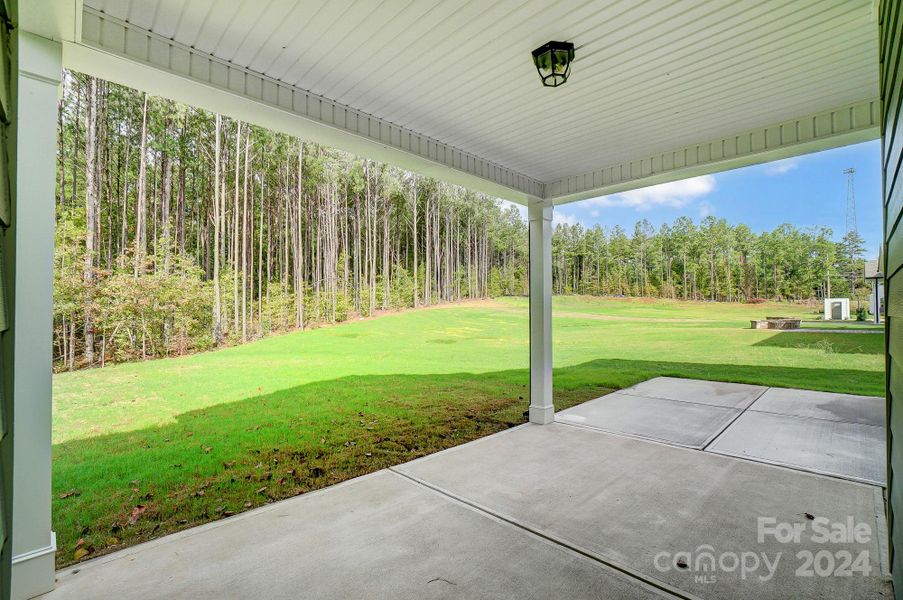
(553, 62)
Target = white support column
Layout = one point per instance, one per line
(541, 409)
(33, 542)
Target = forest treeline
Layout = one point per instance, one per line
(179, 230)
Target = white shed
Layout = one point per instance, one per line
(837, 309)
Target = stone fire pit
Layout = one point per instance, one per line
(776, 323)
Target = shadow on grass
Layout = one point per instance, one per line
(123, 488)
(828, 343)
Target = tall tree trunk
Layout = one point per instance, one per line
(416, 292)
(260, 263)
(180, 208)
(166, 201)
(244, 244)
(141, 205)
(235, 245)
(61, 138)
(91, 214)
(76, 84)
(299, 282)
(217, 227)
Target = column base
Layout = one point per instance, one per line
(542, 415)
(34, 573)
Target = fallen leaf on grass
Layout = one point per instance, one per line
(80, 554)
(248, 504)
(136, 514)
(69, 494)
(262, 490)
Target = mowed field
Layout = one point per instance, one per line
(145, 449)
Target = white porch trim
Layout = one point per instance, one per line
(34, 571)
(37, 553)
(844, 125)
(33, 542)
(542, 409)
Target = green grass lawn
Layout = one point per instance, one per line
(852, 325)
(145, 449)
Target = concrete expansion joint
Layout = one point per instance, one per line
(546, 536)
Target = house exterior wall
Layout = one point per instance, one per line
(8, 65)
(876, 299)
(891, 47)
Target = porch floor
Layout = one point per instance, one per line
(832, 434)
(534, 512)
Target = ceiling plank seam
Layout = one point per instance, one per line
(116, 36)
(846, 124)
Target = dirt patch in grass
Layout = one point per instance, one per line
(122, 489)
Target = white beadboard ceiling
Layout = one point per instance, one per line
(649, 76)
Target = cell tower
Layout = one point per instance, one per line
(851, 228)
(851, 201)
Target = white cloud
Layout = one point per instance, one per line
(674, 194)
(560, 218)
(779, 167)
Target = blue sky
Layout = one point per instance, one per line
(805, 191)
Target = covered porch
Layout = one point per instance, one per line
(658, 92)
(565, 510)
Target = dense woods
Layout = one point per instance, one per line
(179, 230)
(711, 260)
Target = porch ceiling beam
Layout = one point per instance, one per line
(121, 52)
(844, 125)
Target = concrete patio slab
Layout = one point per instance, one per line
(639, 504)
(846, 408)
(843, 449)
(379, 536)
(677, 422)
(715, 393)
(565, 511)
